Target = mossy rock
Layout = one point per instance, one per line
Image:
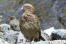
(1, 13)
(10, 8)
(64, 10)
(64, 27)
(18, 1)
(64, 16)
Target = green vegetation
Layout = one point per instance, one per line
(64, 10)
(18, 0)
(10, 8)
(1, 13)
(64, 16)
(47, 4)
(64, 27)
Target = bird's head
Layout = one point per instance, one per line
(28, 7)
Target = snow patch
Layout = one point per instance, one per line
(3, 41)
(49, 31)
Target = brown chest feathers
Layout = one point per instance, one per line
(29, 24)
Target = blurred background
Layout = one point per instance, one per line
(48, 11)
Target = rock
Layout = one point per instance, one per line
(14, 23)
(3, 41)
(21, 38)
(62, 20)
(52, 42)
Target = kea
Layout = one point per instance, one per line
(29, 23)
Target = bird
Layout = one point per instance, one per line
(29, 23)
